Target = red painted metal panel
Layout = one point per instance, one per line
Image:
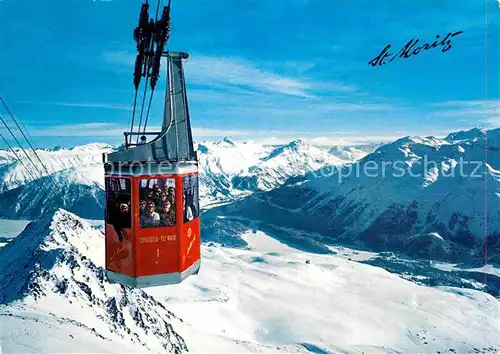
(155, 250)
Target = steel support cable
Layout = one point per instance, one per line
(51, 178)
(33, 178)
(17, 156)
(157, 10)
(133, 117)
(20, 160)
(30, 145)
(20, 146)
(20, 122)
(142, 106)
(154, 63)
(147, 113)
(22, 132)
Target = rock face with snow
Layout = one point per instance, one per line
(14, 175)
(74, 180)
(228, 170)
(353, 153)
(231, 169)
(411, 186)
(69, 189)
(55, 267)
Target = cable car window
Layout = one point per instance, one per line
(157, 202)
(190, 198)
(118, 204)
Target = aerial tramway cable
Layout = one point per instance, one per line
(162, 36)
(140, 34)
(49, 175)
(17, 156)
(149, 65)
(128, 141)
(20, 146)
(151, 37)
(142, 106)
(147, 113)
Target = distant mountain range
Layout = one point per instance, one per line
(228, 170)
(420, 196)
(381, 199)
(398, 198)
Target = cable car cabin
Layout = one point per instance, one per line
(152, 226)
(152, 213)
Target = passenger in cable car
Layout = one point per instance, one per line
(188, 211)
(167, 216)
(157, 191)
(171, 199)
(150, 218)
(163, 200)
(142, 207)
(151, 196)
(121, 220)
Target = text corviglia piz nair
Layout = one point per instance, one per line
(412, 48)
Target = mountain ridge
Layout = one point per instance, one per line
(56, 260)
(384, 211)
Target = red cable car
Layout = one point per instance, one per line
(152, 224)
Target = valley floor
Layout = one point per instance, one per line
(10, 229)
(273, 297)
(270, 297)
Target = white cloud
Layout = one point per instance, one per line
(242, 73)
(114, 132)
(237, 73)
(208, 132)
(83, 104)
(479, 112)
(104, 129)
(97, 129)
(469, 103)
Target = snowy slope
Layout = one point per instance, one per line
(55, 160)
(228, 170)
(75, 181)
(294, 159)
(355, 152)
(371, 203)
(268, 298)
(231, 169)
(6, 157)
(348, 153)
(467, 135)
(275, 295)
(52, 273)
(78, 189)
(220, 161)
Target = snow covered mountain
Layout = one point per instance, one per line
(52, 274)
(467, 135)
(231, 169)
(74, 180)
(403, 193)
(54, 297)
(13, 174)
(74, 189)
(348, 153)
(353, 153)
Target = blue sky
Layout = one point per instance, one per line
(271, 70)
